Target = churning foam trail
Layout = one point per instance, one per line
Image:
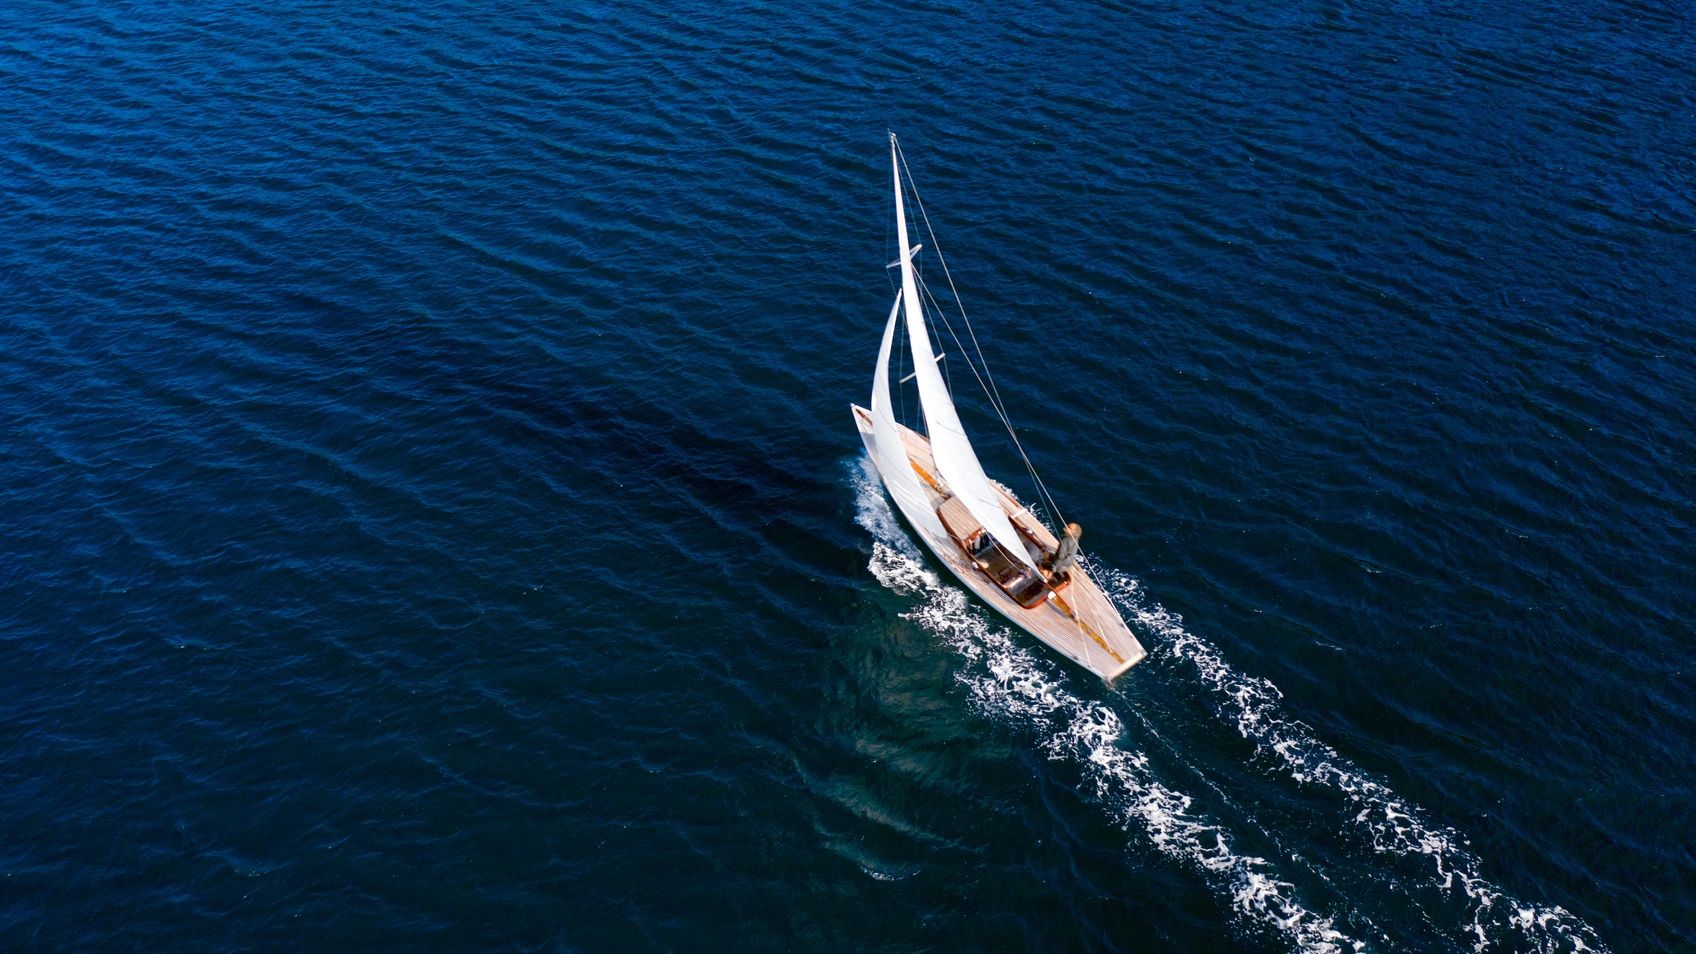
(1388, 823)
(1008, 680)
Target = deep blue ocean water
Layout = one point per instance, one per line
(431, 517)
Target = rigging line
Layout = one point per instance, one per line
(919, 278)
(1000, 411)
(925, 288)
(964, 353)
(937, 306)
(948, 379)
(967, 355)
(992, 391)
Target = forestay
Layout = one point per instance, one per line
(952, 450)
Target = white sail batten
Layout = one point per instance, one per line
(889, 452)
(955, 459)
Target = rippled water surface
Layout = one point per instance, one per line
(432, 518)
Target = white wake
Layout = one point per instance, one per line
(1008, 680)
(1376, 815)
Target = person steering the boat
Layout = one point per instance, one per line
(1060, 561)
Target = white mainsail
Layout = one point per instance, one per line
(950, 447)
(1072, 614)
(889, 449)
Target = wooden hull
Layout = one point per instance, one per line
(1080, 621)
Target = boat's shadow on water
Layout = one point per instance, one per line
(1311, 852)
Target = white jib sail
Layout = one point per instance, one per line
(953, 453)
(889, 450)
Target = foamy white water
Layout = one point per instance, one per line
(1377, 816)
(1008, 680)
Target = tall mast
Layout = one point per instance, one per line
(956, 461)
(909, 283)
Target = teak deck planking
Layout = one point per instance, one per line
(1079, 621)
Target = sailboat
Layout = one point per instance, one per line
(976, 526)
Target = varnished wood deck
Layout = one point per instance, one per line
(1080, 621)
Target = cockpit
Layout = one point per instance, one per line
(1025, 585)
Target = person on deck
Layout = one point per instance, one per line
(1059, 563)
